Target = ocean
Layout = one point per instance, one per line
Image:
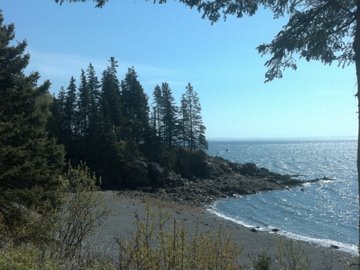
(324, 212)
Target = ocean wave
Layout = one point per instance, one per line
(348, 248)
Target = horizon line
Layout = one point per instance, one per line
(282, 138)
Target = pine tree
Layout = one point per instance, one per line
(94, 96)
(83, 105)
(168, 112)
(70, 121)
(184, 125)
(110, 102)
(134, 107)
(30, 162)
(193, 134)
(56, 125)
(156, 115)
(92, 141)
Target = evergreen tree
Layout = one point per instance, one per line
(94, 132)
(83, 105)
(70, 121)
(168, 112)
(94, 96)
(30, 162)
(134, 108)
(184, 125)
(156, 115)
(56, 125)
(193, 134)
(110, 102)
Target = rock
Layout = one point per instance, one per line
(156, 174)
(249, 169)
(334, 246)
(275, 230)
(135, 174)
(173, 179)
(253, 230)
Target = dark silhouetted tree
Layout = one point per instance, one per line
(70, 121)
(168, 113)
(156, 113)
(83, 105)
(30, 162)
(192, 127)
(110, 103)
(134, 105)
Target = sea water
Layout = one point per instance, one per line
(324, 212)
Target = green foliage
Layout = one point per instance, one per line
(134, 107)
(193, 129)
(108, 126)
(81, 213)
(168, 115)
(262, 262)
(158, 245)
(316, 30)
(25, 257)
(30, 162)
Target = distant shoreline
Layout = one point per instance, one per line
(279, 139)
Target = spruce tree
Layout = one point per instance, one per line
(70, 121)
(156, 115)
(168, 112)
(83, 105)
(91, 147)
(192, 125)
(134, 108)
(110, 102)
(30, 162)
(56, 125)
(94, 96)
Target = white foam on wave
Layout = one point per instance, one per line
(242, 223)
(348, 248)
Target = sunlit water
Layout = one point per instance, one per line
(324, 212)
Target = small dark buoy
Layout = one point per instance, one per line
(253, 230)
(302, 189)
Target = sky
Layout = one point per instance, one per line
(172, 43)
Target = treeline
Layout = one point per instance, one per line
(109, 124)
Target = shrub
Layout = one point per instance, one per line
(25, 257)
(262, 262)
(159, 245)
(291, 257)
(82, 211)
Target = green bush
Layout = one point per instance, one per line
(82, 211)
(25, 257)
(159, 245)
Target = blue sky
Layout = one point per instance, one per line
(172, 43)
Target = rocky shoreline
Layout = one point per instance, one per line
(220, 178)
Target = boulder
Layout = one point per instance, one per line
(249, 169)
(156, 174)
(135, 173)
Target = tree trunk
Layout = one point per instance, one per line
(356, 47)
